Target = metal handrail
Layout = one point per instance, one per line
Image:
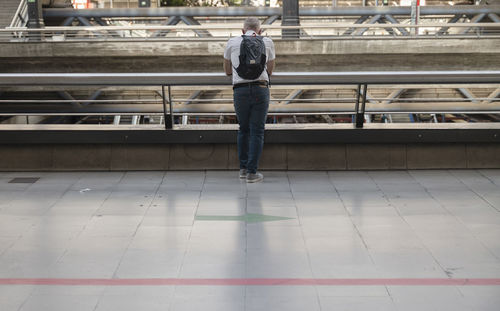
(289, 78)
(268, 11)
(20, 18)
(224, 31)
(283, 78)
(228, 26)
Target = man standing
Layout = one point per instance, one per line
(250, 60)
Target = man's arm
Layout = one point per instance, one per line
(270, 67)
(228, 68)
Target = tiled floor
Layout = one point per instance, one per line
(386, 226)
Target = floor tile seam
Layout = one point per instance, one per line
(407, 223)
(445, 271)
(86, 225)
(137, 228)
(464, 224)
(475, 192)
(304, 239)
(486, 177)
(429, 251)
(360, 235)
(79, 232)
(183, 260)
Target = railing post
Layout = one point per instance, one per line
(360, 111)
(167, 117)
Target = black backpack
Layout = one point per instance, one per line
(252, 57)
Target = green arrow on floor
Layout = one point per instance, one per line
(249, 218)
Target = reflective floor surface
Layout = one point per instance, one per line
(361, 240)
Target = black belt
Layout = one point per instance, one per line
(264, 83)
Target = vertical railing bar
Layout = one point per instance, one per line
(356, 107)
(164, 106)
(171, 109)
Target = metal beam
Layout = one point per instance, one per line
(68, 21)
(279, 78)
(188, 20)
(372, 20)
(494, 17)
(193, 96)
(492, 96)
(452, 20)
(392, 20)
(394, 94)
(66, 95)
(360, 20)
(172, 20)
(269, 11)
(271, 19)
(468, 94)
(475, 19)
(294, 94)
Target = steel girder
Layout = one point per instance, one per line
(279, 78)
(268, 11)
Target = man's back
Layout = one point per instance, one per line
(232, 52)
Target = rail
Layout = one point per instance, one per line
(223, 32)
(357, 107)
(446, 16)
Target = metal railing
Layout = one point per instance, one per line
(165, 107)
(223, 32)
(368, 16)
(20, 18)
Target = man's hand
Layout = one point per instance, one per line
(228, 68)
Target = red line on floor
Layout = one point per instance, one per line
(251, 281)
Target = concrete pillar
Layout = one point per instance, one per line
(290, 18)
(35, 18)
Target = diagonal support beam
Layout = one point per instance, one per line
(394, 94)
(188, 20)
(193, 96)
(475, 19)
(68, 21)
(492, 96)
(271, 19)
(494, 17)
(172, 20)
(360, 20)
(85, 22)
(383, 21)
(293, 95)
(67, 96)
(468, 94)
(102, 22)
(94, 96)
(452, 20)
(393, 20)
(372, 21)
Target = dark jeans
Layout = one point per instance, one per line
(251, 104)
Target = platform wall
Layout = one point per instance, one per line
(104, 157)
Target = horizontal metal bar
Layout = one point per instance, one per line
(229, 101)
(237, 26)
(279, 78)
(217, 108)
(268, 11)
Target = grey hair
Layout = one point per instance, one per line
(251, 23)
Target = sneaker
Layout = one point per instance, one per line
(243, 173)
(254, 177)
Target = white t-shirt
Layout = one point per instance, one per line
(232, 53)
